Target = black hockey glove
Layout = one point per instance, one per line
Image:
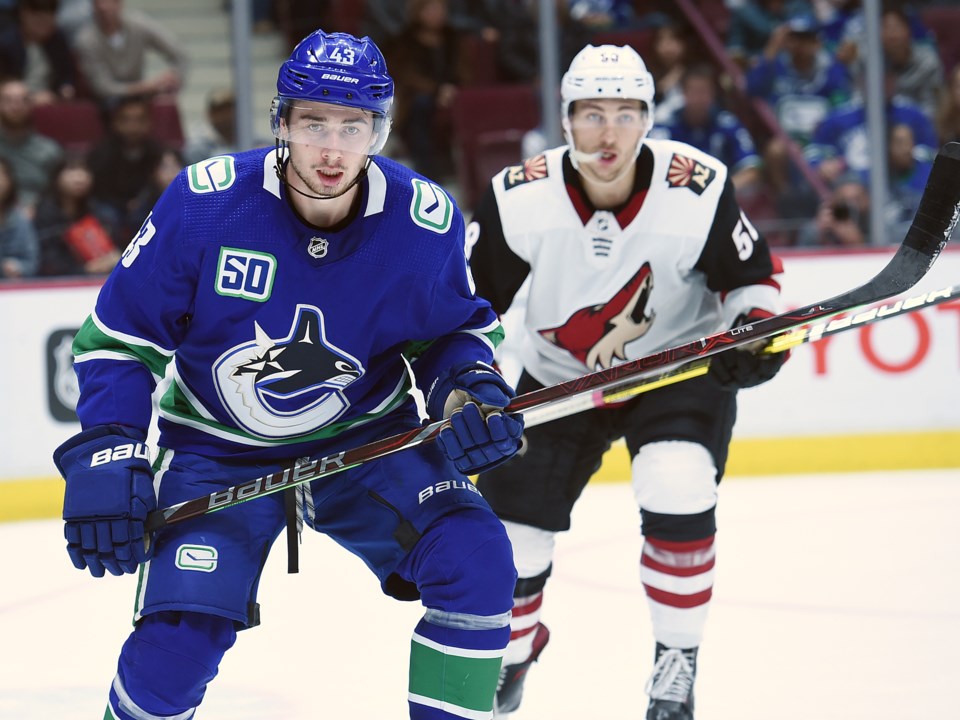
(746, 366)
(109, 491)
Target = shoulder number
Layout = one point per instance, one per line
(744, 237)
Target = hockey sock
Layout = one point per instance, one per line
(166, 664)
(463, 565)
(678, 580)
(523, 625)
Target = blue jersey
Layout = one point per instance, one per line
(723, 136)
(843, 133)
(281, 335)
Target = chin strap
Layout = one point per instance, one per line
(280, 167)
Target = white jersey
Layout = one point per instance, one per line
(678, 261)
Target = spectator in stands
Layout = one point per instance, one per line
(701, 122)
(299, 18)
(841, 142)
(754, 21)
(36, 51)
(19, 252)
(72, 15)
(907, 178)
(519, 51)
(74, 230)
(264, 16)
(428, 68)
(164, 172)
(802, 83)
(218, 135)
(600, 15)
(31, 155)
(844, 26)
(112, 50)
(670, 56)
(477, 17)
(916, 65)
(383, 21)
(844, 220)
(948, 108)
(798, 78)
(123, 161)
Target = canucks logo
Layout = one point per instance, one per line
(279, 388)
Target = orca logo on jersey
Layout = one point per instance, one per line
(599, 334)
(687, 172)
(289, 387)
(534, 168)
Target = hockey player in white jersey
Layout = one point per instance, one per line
(630, 245)
(290, 291)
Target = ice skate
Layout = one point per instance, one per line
(510, 685)
(670, 686)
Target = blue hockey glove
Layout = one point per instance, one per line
(747, 366)
(109, 492)
(477, 439)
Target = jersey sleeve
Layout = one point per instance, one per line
(737, 263)
(462, 327)
(498, 271)
(141, 316)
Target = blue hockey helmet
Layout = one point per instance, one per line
(336, 68)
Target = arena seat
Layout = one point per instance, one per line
(479, 114)
(76, 124)
(167, 126)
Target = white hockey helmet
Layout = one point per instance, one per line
(606, 71)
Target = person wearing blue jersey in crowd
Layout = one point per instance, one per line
(294, 295)
(701, 122)
(841, 143)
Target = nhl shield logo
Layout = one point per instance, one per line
(317, 248)
(687, 172)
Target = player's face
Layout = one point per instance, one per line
(328, 145)
(609, 130)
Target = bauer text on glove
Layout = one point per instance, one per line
(109, 492)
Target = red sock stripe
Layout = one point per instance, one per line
(649, 562)
(681, 547)
(522, 633)
(678, 601)
(531, 605)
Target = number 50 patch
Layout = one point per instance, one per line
(246, 274)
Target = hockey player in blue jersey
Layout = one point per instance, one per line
(284, 292)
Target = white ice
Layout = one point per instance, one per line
(836, 599)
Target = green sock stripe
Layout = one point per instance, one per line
(457, 680)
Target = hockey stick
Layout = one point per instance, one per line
(778, 343)
(931, 228)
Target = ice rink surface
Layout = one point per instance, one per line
(836, 599)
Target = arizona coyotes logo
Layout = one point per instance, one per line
(277, 388)
(687, 172)
(533, 169)
(599, 334)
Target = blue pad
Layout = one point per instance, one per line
(167, 662)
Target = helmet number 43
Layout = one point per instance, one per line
(343, 55)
